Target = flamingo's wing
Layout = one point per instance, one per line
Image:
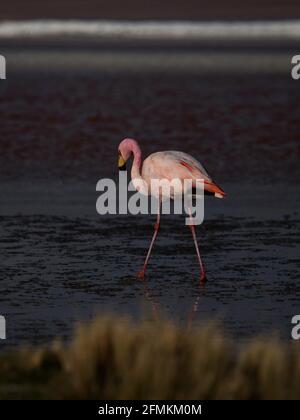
(192, 164)
(195, 168)
(173, 164)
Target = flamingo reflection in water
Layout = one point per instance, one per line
(155, 306)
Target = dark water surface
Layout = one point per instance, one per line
(60, 128)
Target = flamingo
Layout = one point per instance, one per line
(166, 165)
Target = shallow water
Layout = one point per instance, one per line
(62, 263)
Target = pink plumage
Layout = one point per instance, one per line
(167, 165)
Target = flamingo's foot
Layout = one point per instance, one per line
(203, 278)
(141, 274)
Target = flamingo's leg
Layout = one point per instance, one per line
(202, 269)
(141, 274)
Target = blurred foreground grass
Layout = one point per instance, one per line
(112, 358)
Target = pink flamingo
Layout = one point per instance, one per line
(166, 165)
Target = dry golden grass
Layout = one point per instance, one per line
(112, 358)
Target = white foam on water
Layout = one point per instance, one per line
(231, 30)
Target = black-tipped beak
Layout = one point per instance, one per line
(121, 163)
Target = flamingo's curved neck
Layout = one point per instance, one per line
(137, 162)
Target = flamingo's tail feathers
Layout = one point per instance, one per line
(214, 189)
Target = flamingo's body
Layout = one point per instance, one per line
(166, 165)
(177, 165)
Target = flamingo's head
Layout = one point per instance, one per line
(127, 147)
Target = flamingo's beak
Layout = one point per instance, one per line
(121, 163)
